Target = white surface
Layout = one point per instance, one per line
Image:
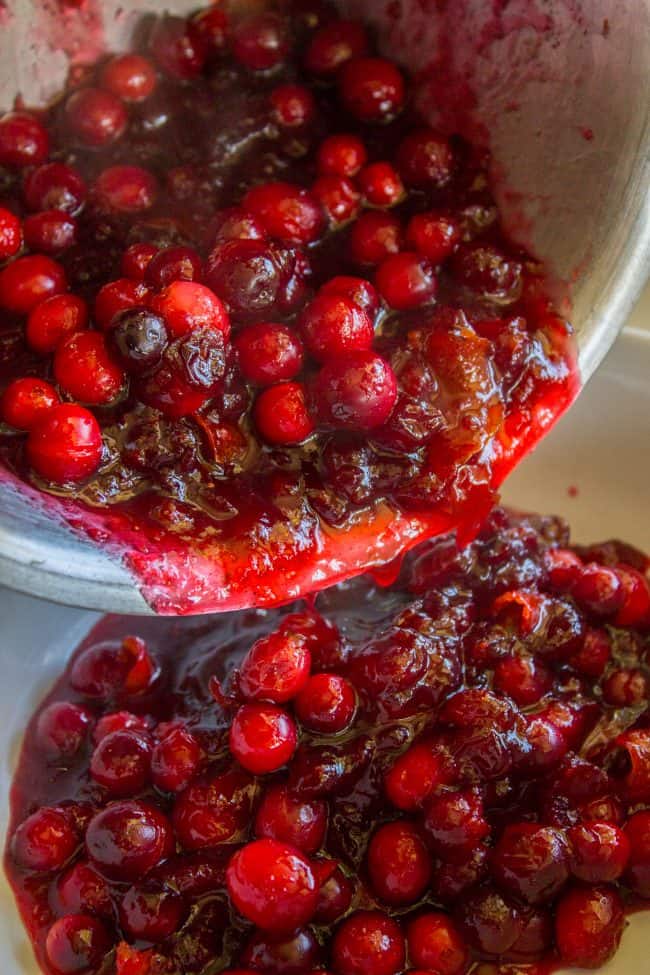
(602, 448)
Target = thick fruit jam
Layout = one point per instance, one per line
(445, 776)
(260, 325)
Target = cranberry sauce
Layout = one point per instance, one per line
(260, 325)
(427, 777)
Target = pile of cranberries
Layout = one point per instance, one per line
(442, 777)
(247, 292)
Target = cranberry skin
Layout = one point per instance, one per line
(374, 237)
(24, 401)
(589, 923)
(269, 353)
(368, 943)
(293, 106)
(150, 915)
(128, 839)
(435, 943)
(214, 810)
(175, 760)
(76, 945)
(276, 668)
(326, 704)
(28, 281)
(357, 392)
(138, 339)
(637, 875)
(359, 291)
(117, 296)
(282, 415)
(524, 679)
(341, 155)
(126, 189)
(62, 729)
(282, 956)
(45, 841)
(263, 738)
(65, 444)
(406, 281)
(455, 824)
(187, 306)
(334, 898)
(433, 235)
(273, 885)
(399, 864)
(333, 326)
(54, 186)
(626, 688)
(178, 47)
(130, 77)
(372, 89)
(287, 212)
(425, 159)
(288, 819)
(11, 234)
(599, 852)
(487, 922)
(531, 862)
(95, 117)
(173, 264)
(121, 763)
(84, 368)
(339, 198)
(50, 232)
(24, 141)
(381, 185)
(114, 669)
(485, 270)
(81, 890)
(414, 776)
(136, 260)
(335, 44)
(260, 42)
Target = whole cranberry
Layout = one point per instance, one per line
(84, 368)
(633, 771)
(434, 943)
(138, 339)
(488, 923)
(81, 890)
(333, 326)
(269, 353)
(119, 721)
(334, 898)
(452, 880)
(129, 76)
(598, 590)
(175, 760)
(114, 669)
(212, 25)
(150, 915)
(531, 862)
(50, 232)
(126, 189)
(415, 775)
(406, 281)
(455, 823)
(128, 839)
(338, 197)
(273, 885)
(335, 44)
(281, 955)
(425, 158)
(626, 687)
(54, 186)
(76, 944)
(487, 271)
(11, 234)
(24, 141)
(599, 852)
(358, 290)
(121, 763)
(28, 281)
(321, 770)
(374, 237)
(173, 264)
(260, 42)
(287, 212)
(214, 810)
(368, 943)
(434, 235)
(341, 155)
(250, 277)
(136, 260)
(282, 415)
(372, 89)
(44, 841)
(357, 392)
(284, 817)
(294, 106)
(178, 47)
(326, 704)
(276, 668)
(233, 223)
(524, 679)
(97, 118)
(117, 296)
(186, 306)
(399, 864)
(263, 738)
(594, 655)
(589, 923)
(26, 400)
(635, 610)
(65, 444)
(62, 729)
(637, 874)
(381, 185)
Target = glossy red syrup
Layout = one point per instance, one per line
(431, 819)
(266, 173)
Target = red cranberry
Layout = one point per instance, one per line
(589, 923)
(359, 291)
(81, 890)
(178, 47)
(24, 401)
(65, 444)
(212, 25)
(187, 306)
(173, 264)
(234, 223)
(260, 42)
(487, 922)
(50, 232)
(273, 885)
(339, 198)
(214, 811)
(433, 235)
(599, 852)
(76, 944)
(175, 760)
(333, 326)
(282, 415)
(487, 271)
(54, 186)
(275, 955)
(368, 943)
(276, 668)
(117, 296)
(455, 823)
(594, 655)
(128, 839)
(251, 277)
(138, 339)
(531, 862)
(634, 773)
(130, 77)
(381, 185)
(150, 915)
(341, 155)
(84, 368)
(635, 610)
(524, 679)
(287, 212)
(548, 744)
(605, 809)
(288, 819)
(11, 234)
(563, 567)
(126, 189)
(334, 898)
(326, 704)
(269, 353)
(136, 260)
(434, 943)
(119, 721)
(451, 881)
(113, 669)
(121, 763)
(45, 841)
(406, 281)
(414, 776)
(97, 118)
(62, 729)
(399, 864)
(335, 44)
(637, 875)
(293, 106)
(598, 589)
(372, 89)
(374, 237)
(24, 141)
(262, 738)
(357, 392)
(626, 688)
(28, 281)
(425, 158)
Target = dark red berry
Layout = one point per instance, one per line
(138, 339)
(65, 444)
(368, 943)
(136, 260)
(25, 401)
(599, 852)
(263, 738)
(282, 415)
(126, 189)
(357, 392)
(374, 237)
(121, 763)
(11, 234)
(76, 944)
(62, 729)
(276, 668)
(178, 47)
(589, 924)
(186, 306)
(341, 155)
(273, 885)
(360, 292)
(289, 819)
(213, 810)
(45, 841)
(425, 158)
(339, 198)
(150, 915)
(117, 296)
(86, 371)
(293, 106)
(54, 186)
(333, 326)
(129, 76)
(372, 89)
(433, 235)
(406, 281)
(50, 232)
(435, 944)
(24, 141)
(28, 281)
(128, 839)
(173, 264)
(381, 185)
(81, 890)
(95, 117)
(531, 862)
(326, 704)
(335, 44)
(399, 864)
(260, 42)
(287, 212)
(269, 353)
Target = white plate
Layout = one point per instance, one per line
(601, 448)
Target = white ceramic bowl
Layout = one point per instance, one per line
(601, 449)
